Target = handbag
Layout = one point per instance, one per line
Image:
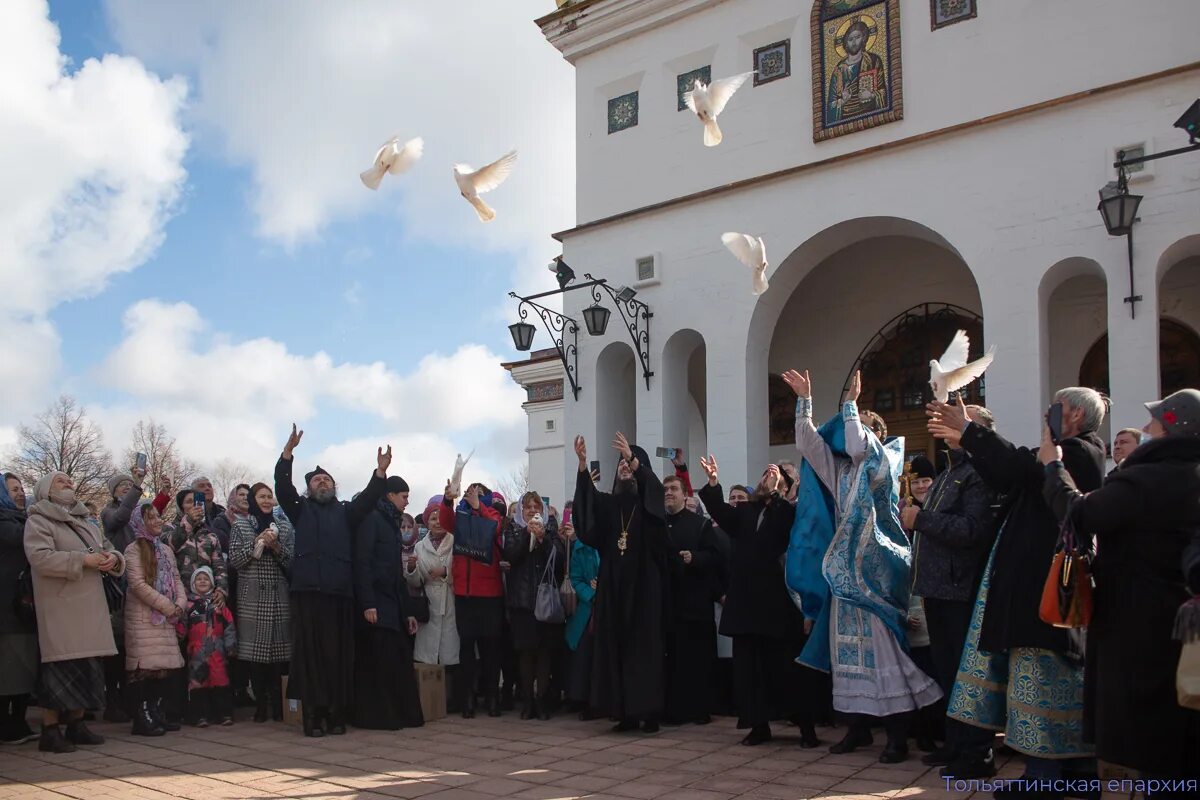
(549, 605)
(474, 537)
(1187, 674)
(22, 601)
(417, 605)
(566, 591)
(114, 593)
(1067, 593)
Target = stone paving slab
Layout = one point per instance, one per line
(479, 759)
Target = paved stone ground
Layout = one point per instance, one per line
(457, 759)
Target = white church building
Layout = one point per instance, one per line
(944, 176)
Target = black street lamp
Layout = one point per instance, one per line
(595, 317)
(1118, 208)
(522, 335)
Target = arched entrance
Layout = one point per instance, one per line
(836, 291)
(895, 368)
(616, 402)
(1178, 360)
(685, 395)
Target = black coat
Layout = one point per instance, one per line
(1028, 534)
(955, 532)
(1143, 517)
(527, 567)
(324, 560)
(378, 579)
(632, 604)
(12, 562)
(221, 526)
(694, 586)
(757, 602)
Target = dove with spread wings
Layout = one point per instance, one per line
(952, 372)
(474, 182)
(751, 251)
(456, 476)
(393, 157)
(708, 101)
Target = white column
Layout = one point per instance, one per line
(733, 417)
(1132, 340)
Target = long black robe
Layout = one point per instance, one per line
(632, 603)
(692, 634)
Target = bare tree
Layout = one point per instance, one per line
(166, 470)
(63, 438)
(515, 484)
(227, 474)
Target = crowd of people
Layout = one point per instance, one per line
(852, 585)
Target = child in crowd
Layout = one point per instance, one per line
(211, 642)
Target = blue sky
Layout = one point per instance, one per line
(282, 256)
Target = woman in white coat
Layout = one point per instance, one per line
(430, 567)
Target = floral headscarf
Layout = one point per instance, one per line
(232, 513)
(164, 581)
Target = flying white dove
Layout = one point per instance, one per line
(752, 252)
(709, 101)
(474, 182)
(456, 477)
(393, 157)
(953, 372)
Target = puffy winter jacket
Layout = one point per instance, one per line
(150, 646)
(474, 578)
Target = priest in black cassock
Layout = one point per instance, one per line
(692, 633)
(766, 627)
(632, 603)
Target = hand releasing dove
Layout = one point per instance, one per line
(709, 101)
(474, 182)
(752, 252)
(953, 372)
(456, 477)
(393, 157)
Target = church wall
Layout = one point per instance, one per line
(1011, 199)
(1012, 55)
(545, 451)
(1179, 293)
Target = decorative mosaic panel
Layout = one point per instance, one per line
(773, 62)
(687, 81)
(543, 392)
(856, 80)
(948, 12)
(622, 112)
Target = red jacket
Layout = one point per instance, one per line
(474, 578)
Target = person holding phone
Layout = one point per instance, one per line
(1022, 675)
(1143, 518)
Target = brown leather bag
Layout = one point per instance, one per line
(1067, 593)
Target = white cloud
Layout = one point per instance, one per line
(304, 93)
(232, 399)
(90, 171)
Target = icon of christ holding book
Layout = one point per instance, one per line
(858, 84)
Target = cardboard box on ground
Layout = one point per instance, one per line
(291, 708)
(431, 682)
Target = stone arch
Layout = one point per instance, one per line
(685, 394)
(827, 298)
(1073, 314)
(1178, 359)
(616, 402)
(1179, 315)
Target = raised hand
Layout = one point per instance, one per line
(954, 415)
(800, 384)
(679, 460)
(855, 387)
(621, 445)
(581, 452)
(450, 493)
(472, 496)
(292, 442)
(383, 460)
(709, 465)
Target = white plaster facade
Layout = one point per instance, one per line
(541, 376)
(984, 196)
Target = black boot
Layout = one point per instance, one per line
(53, 741)
(808, 735)
(17, 730)
(79, 733)
(114, 703)
(527, 710)
(855, 738)
(258, 684)
(312, 723)
(757, 735)
(493, 705)
(543, 708)
(468, 706)
(154, 691)
(144, 723)
(275, 693)
(335, 722)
